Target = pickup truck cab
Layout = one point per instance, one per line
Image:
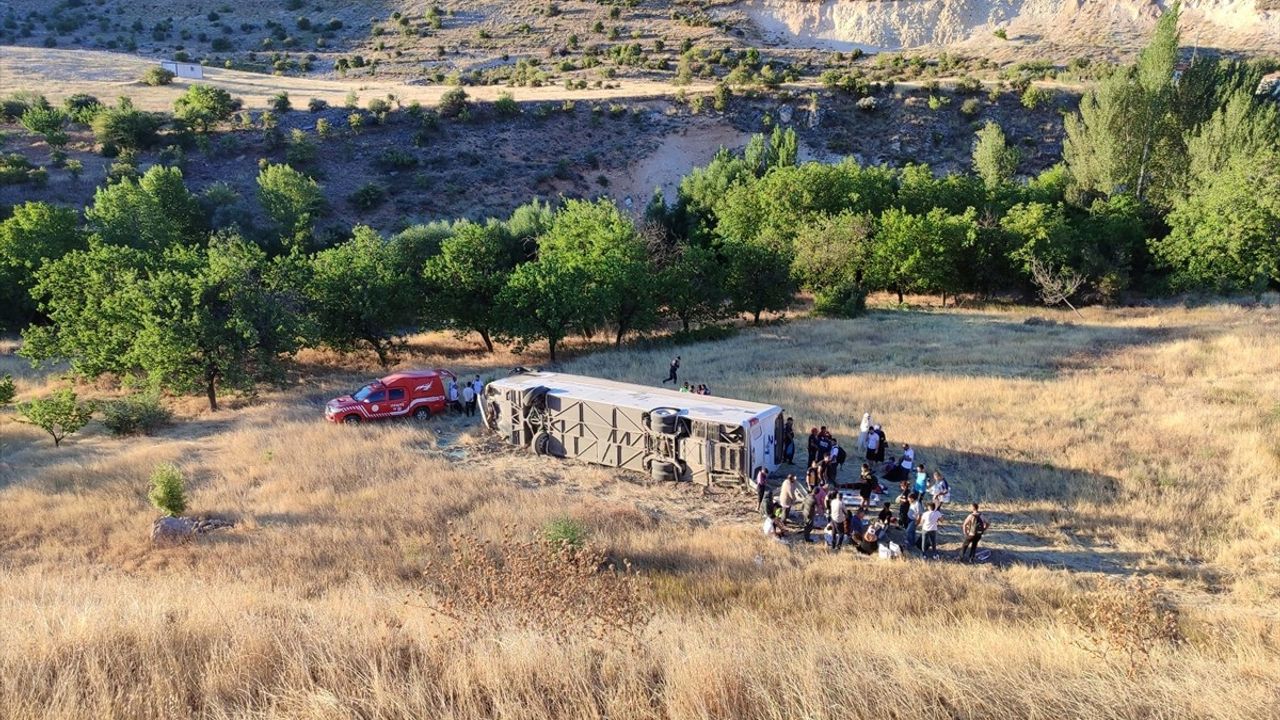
(418, 394)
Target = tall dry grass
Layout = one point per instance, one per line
(1085, 441)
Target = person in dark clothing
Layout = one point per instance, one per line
(813, 445)
(789, 443)
(880, 449)
(671, 374)
(904, 502)
(809, 509)
(762, 487)
(886, 515)
(973, 527)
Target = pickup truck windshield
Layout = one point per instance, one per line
(363, 393)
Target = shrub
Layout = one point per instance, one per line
(968, 85)
(565, 532)
(81, 108)
(868, 104)
(15, 104)
(323, 128)
(156, 76)
(1132, 619)
(7, 390)
(316, 105)
(379, 106)
(369, 196)
(300, 150)
(137, 414)
(453, 102)
(45, 121)
(74, 167)
(16, 170)
(167, 492)
(1001, 33)
(355, 121)
(220, 44)
(60, 414)
(971, 107)
(395, 159)
(280, 102)
(506, 105)
(937, 102)
(1035, 97)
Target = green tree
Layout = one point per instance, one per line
(993, 159)
(922, 253)
(361, 296)
(544, 300)
(1240, 126)
(291, 200)
(757, 276)
(7, 390)
(1042, 231)
(1127, 136)
(833, 257)
(167, 493)
(154, 212)
(60, 414)
(598, 238)
(37, 233)
(214, 319)
(48, 123)
(203, 106)
(126, 127)
(467, 276)
(1224, 236)
(691, 284)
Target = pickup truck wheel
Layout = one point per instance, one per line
(664, 420)
(422, 414)
(351, 420)
(663, 472)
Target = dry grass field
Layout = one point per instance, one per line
(1140, 442)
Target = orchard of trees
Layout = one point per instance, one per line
(1170, 181)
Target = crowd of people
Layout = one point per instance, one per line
(855, 512)
(464, 397)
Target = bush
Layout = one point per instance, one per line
(369, 196)
(221, 44)
(316, 105)
(7, 390)
(1035, 97)
(846, 301)
(453, 102)
(301, 150)
(156, 76)
(16, 170)
(395, 159)
(59, 414)
(81, 108)
(74, 167)
(868, 104)
(565, 532)
(971, 107)
(167, 493)
(138, 414)
(280, 102)
(506, 105)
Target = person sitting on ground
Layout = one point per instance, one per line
(893, 472)
(930, 522)
(941, 489)
(685, 388)
(813, 477)
(787, 496)
(858, 523)
(886, 515)
(974, 525)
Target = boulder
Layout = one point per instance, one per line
(172, 531)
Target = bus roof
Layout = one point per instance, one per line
(641, 397)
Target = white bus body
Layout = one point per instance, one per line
(668, 434)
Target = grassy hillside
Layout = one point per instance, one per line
(1132, 443)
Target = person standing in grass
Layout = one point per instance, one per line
(941, 489)
(809, 509)
(789, 442)
(873, 447)
(880, 443)
(863, 431)
(836, 520)
(673, 371)
(813, 445)
(469, 399)
(908, 456)
(974, 525)
(932, 519)
(904, 502)
(453, 397)
(762, 486)
(914, 511)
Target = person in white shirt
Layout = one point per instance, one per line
(941, 489)
(477, 386)
(453, 397)
(914, 511)
(469, 400)
(863, 429)
(873, 444)
(787, 496)
(929, 523)
(836, 520)
(908, 456)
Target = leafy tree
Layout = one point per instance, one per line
(922, 253)
(467, 276)
(59, 414)
(361, 296)
(597, 237)
(7, 390)
(153, 213)
(1241, 126)
(204, 106)
(291, 200)
(993, 159)
(167, 493)
(833, 256)
(1127, 136)
(920, 191)
(47, 122)
(213, 318)
(544, 300)
(35, 234)
(93, 299)
(453, 103)
(1224, 236)
(1042, 231)
(757, 276)
(691, 284)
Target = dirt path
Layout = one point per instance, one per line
(61, 72)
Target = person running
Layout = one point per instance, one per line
(813, 445)
(469, 399)
(974, 525)
(932, 519)
(762, 486)
(863, 431)
(787, 496)
(671, 373)
(789, 442)
(836, 520)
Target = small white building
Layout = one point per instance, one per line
(668, 434)
(191, 71)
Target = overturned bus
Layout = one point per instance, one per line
(668, 434)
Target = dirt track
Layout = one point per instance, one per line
(61, 72)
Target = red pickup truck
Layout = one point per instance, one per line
(413, 393)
